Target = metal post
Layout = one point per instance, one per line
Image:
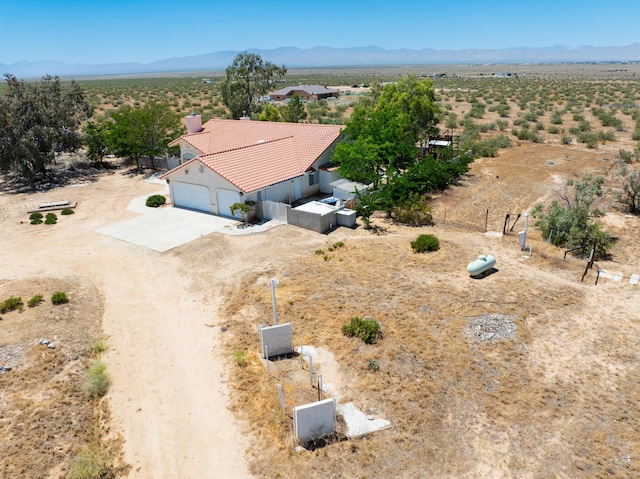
(319, 387)
(311, 370)
(301, 354)
(274, 282)
(281, 396)
(486, 220)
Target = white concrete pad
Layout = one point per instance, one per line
(357, 423)
(634, 279)
(167, 228)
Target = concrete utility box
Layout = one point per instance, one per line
(346, 217)
(278, 340)
(314, 420)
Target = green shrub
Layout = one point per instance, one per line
(414, 211)
(50, 219)
(35, 218)
(35, 301)
(425, 243)
(319, 251)
(59, 297)
(67, 211)
(156, 200)
(92, 463)
(11, 304)
(338, 244)
(98, 346)
(373, 365)
(240, 358)
(97, 381)
(367, 329)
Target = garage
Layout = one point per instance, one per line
(194, 197)
(225, 199)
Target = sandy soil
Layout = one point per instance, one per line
(169, 396)
(163, 315)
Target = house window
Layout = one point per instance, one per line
(313, 178)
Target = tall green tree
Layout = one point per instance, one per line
(416, 99)
(269, 113)
(146, 131)
(378, 142)
(247, 79)
(37, 121)
(294, 111)
(94, 137)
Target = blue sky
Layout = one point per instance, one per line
(96, 31)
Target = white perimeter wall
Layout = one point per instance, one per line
(314, 420)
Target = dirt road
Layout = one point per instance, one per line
(169, 396)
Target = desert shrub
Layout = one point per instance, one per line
(59, 297)
(91, 463)
(319, 252)
(502, 124)
(572, 222)
(35, 218)
(50, 219)
(97, 381)
(156, 200)
(67, 211)
(414, 211)
(11, 304)
(425, 243)
(566, 139)
(373, 365)
(97, 347)
(604, 135)
(554, 130)
(338, 244)
(240, 358)
(35, 300)
(367, 329)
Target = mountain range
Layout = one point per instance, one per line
(293, 57)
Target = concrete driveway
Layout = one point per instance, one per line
(162, 229)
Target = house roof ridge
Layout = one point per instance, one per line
(263, 142)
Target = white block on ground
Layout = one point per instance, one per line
(357, 423)
(314, 420)
(603, 273)
(617, 277)
(635, 278)
(278, 339)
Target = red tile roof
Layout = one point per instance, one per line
(256, 154)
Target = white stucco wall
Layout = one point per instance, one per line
(198, 174)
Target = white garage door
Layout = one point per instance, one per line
(225, 199)
(194, 197)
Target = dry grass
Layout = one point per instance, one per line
(556, 400)
(45, 414)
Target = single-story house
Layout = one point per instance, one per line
(305, 92)
(231, 161)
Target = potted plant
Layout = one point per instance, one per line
(246, 209)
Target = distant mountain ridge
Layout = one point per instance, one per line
(319, 56)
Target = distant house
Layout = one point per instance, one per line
(229, 161)
(305, 92)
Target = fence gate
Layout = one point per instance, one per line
(272, 210)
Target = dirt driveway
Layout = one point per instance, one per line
(169, 395)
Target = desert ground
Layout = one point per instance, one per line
(558, 398)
